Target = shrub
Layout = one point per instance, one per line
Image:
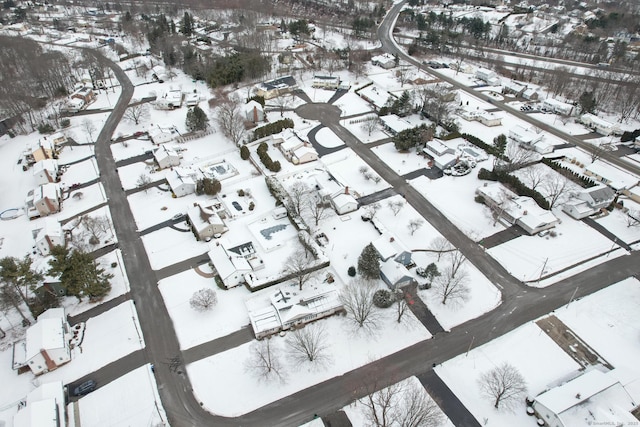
(252, 206)
(65, 123)
(241, 192)
(114, 264)
(272, 128)
(44, 128)
(245, 153)
(382, 298)
(351, 271)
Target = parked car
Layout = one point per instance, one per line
(84, 388)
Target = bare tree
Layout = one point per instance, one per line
(373, 209)
(357, 299)
(403, 405)
(503, 384)
(317, 209)
(264, 361)
(203, 299)
(555, 186)
(456, 258)
(534, 176)
(633, 218)
(309, 344)
(395, 206)
(283, 102)
(143, 181)
(89, 128)
(299, 267)
(518, 157)
(97, 226)
(440, 245)
(452, 286)
(136, 112)
(230, 119)
(597, 151)
(298, 196)
(401, 305)
(404, 74)
(414, 225)
(370, 124)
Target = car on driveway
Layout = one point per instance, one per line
(84, 388)
(177, 216)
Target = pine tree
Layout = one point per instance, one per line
(187, 25)
(369, 263)
(79, 273)
(196, 119)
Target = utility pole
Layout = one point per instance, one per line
(542, 270)
(470, 344)
(573, 296)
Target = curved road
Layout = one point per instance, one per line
(520, 303)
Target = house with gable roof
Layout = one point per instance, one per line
(47, 342)
(49, 236)
(45, 171)
(43, 407)
(166, 157)
(183, 181)
(205, 221)
(589, 201)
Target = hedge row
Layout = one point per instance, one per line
(266, 159)
(490, 149)
(514, 184)
(582, 181)
(271, 128)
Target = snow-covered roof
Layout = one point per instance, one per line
(590, 392)
(279, 83)
(385, 246)
(200, 217)
(437, 147)
(179, 176)
(50, 165)
(301, 151)
(341, 200)
(47, 333)
(523, 135)
(249, 106)
(52, 228)
(595, 120)
(43, 413)
(394, 271)
(396, 123)
(617, 179)
(163, 152)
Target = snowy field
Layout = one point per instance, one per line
(347, 352)
(226, 317)
(351, 104)
(401, 163)
(356, 128)
(154, 206)
(328, 139)
(345, 166)
(80, 200)
(168, 246)
(82, 172)
(131, 400)
(538, 359)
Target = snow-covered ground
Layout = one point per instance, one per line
(345, 166)
(168, 246)
(131, 400)
(347, 352)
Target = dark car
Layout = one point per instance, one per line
(84, 388)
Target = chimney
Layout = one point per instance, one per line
(346, 190)
(255, 114)
(391, 239)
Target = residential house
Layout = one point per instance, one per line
(288, 142)
(230, 267)
(486, 118)
(192, 99)
(288, 307)
(45, 171)
(386, 61)
(589, 201)
(161, 135)
(205, 221)
(169, 100)
(326, 82)
(43, 407)
(166, 157)
(610, 175)
(443, 157)
(46, 149)
(343, 202)
(395, 274)
(488, 76)
(530, 94)
(530, 140)
(304, 154)
(389, 248)
(183, 181)
(592, 397)
(47, 342)
(599, 125)
(44, 200)
(85, 94)
(513, 88)
(332, 192)
(49, 236)
(276, 87)
(516, 210)
(374, 95)
(159, 73)
(394, 124)
(558, 107)
(254, 111)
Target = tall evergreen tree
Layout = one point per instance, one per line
(19, 275)
(196, 119)
(79, 274)
(187, 25)
(369, 263)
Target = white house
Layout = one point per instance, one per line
(514, 209)
(488, 76)
(344, 202)
(169, 100)
(43, 407)
(589, 201)
(326, 82)
(288, 307)
(610, 175)
(230, 266)
(555, 106)
(205, 222)
(304, 154)
(599, 125)
(511, 87)
(192, 99)
(49, 236)
(288, 142)
(161, 135)
(530, 94)
(254, 112)
(47, 342)
(443, 157)
(593, 396)
(276, 87)
(484, 117)
(45, 171)
(386, 61)
(166, 157)
(395, 124)
(530, 140)
(182, 181)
